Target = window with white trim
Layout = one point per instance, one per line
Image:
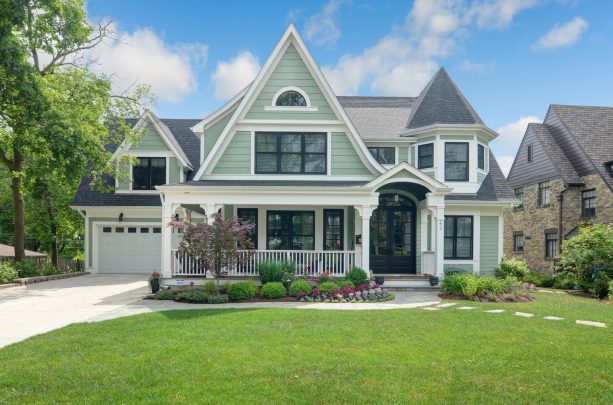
(148, 172)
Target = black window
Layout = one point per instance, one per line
(529, 153)
(157, 230)
(119, 230)
(544, 194)
(251, 215)
(148, 172)
(480, 157)
(144, 230)
(518, 241)
(333, 229)
(106, 229)
(425, 156)
(384, 155)
(458, 237)
(519, 194)
(291, 99)
(290, 230)
(551, 243)
(290, 153)
(588, 203)
(131, 230)
(456, 161)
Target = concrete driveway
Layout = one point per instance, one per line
(37, 308)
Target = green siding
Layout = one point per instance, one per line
(403, 154)
(91, 220)
(350, 228)
(150, 140)
(345, 159)
(228, 211)
(291, 71)
(403, 174)
(465, 267)
(212, 134)
(426, 139)
(236, 159)
(173, 170)
(489, 244)
(457, 138)
(483, 141)
(480, 177)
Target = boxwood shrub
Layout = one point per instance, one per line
(517, 268)
(343, 283)
(299, 285)
(195, 296)
(245, 290)
(357, 276)
(328, 287)
(273, 290)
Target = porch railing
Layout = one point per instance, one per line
(306, 262)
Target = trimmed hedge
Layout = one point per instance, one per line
(243, 291)
(357, 276)
(300, 285)
(273, 290)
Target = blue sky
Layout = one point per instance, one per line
(511, 58)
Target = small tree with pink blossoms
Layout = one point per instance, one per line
(215, 246)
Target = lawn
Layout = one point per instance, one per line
(312, 356)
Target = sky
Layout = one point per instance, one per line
(510, 58)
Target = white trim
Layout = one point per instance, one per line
(421, 178)
(318, 177)
(329, 153)
(291, 35)
(291, 88)
(290, 108)
(252, 152)
(136, 191)
(200, 127)
(451, 129)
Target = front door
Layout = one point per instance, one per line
(392, 235)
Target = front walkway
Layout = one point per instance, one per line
(38, 308)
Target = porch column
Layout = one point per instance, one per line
(209, 210)
(365, 213)
(436, 203)
(167, 216)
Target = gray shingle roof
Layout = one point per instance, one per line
(567, 172)
(378, 118)
(494, 187)
(441, 102)
(86, 197)
(592, 128)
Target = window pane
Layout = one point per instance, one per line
(481, 157)
(290, 163)
(291, 99)
(266, 163)
(266, 143)
(463, 248)
(425, 156)
(314, 163)
(291, 143)
(465, 226)
(315, 143)
(387, 156)
(449, 227)
(448, 247)
(158, 171)
(456, 171)
(457, 152)
(140, 174)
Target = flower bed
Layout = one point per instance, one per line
(484, 288)
(348, 294)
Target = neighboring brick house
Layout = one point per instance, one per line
(563, 174)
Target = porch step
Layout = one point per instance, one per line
(404, 281)
(397, 276)
(410, 289)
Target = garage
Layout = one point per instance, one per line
(132, 249)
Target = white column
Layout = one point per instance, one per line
(209, 210)
(440, 241)
(365, 213)
(167, 216)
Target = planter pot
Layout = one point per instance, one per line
(379, 280)
(433, 281)
(287, 283)
(155, 285)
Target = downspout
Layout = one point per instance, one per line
(561, 217)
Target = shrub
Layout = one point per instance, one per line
(7, 273)
(357, 276)
(328, 287)
(564, 281)
(517, 268)
(610, 290)
(210, 287)
(601, 288)
(245, 290)
(49, 270)
(455, 270)
(469, 285)
(275, 271)
(299, 285)
(195, 296)
(538, 280)
(273, 290)
(225, 287)
(26, 268)
(165, 295)
(218, 299)
(343, 283)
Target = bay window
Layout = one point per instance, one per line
(456, 161)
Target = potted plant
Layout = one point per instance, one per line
(433, 281)
(154, 281)
(379, 280)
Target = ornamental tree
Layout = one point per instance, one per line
(589, 255)
(215, 246)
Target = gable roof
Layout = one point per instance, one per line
(378, 118)
(441, 102)
(291, 36)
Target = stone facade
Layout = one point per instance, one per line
(533, 220)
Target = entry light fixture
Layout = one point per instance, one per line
(176, 217)
(121, 217)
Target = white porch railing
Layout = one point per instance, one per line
(306, 262)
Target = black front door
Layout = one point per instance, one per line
(392, 235)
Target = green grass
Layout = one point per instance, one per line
(313, 356)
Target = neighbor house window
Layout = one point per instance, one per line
(333, 229)
(289, 153)
(456, 161)
(290, 230)
(481, 157)
(519, 194)
(384, 155)
(425, 156)
(291, 98)
(551, 243)
(518, 241)
(148, 172)
(544, 194)
(251, 215)
(529, 153)
(588, 203)
(458, 237)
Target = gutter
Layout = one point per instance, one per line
(561, 216)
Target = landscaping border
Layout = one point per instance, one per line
(41, 279)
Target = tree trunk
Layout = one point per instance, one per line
(19, 224)
(53, 226)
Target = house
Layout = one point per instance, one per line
(563, 176)
(397, 185)
(7, 253)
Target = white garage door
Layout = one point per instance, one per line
(129, 249)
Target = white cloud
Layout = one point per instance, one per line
(143, 57)
(322, 28)
(505, 163)
(509, 138)
(232, 76)
(469, 66)
(402, 62)
(562, 35)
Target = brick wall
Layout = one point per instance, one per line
(533, 220)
